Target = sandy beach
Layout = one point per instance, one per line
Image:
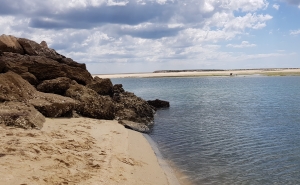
(266, 72)
(79, 151)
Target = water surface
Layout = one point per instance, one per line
(227, 130)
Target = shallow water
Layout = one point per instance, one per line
(227, 130)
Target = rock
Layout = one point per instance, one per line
(56, 86)
(30, 78)
(14, 88)
(34, 49)
(90, 103)
(140, 127)
(52, 105)
(44, 44)
(20, 115)
(10, 43)
(43, 68)
(132, 108)
(118, 88)
(159, 103)
(102, 86)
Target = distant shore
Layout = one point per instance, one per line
(199, 73)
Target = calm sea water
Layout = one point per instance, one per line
(222, 130)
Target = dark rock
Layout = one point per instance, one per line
(72, 63)
(14, 88)
(43, 68)
(34, 49)
(118, 88)
(19, 114)
(90, 103)
(102, 86)
(159, 103)
(132, 108)
(10, 43)
(140, 127)
(56, 86)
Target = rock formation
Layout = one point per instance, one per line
(36, 81)
(159, 103)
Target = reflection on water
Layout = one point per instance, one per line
(227, 130)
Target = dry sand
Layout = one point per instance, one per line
(271, 72)
(78, 151)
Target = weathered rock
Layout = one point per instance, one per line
(132, 108)
(44, 44)
(140, 127)
(30, 78)
(56, 86)
(102, 86)
(32, 48)
(90, 103)
(14, 88)
(52, 105)
(10, 43)
(43, 68)
(118, 88)
(159, 103)
(19, 114)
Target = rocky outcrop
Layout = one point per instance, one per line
(90, 103)
(43, 68)
(10, 43)
(57, 86)
(159, 103)
(20, 115)
(132, 108)
(14, 88)
(102, 86)
(46, 83)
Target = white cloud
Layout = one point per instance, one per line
(244, 44)
(276, 6)
(295, 32)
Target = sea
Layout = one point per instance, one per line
(227, 130)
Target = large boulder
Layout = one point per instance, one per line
(102, 86)
(132, 108)
(42, 68)
(19, 114)
(10, 43)
(14, 88)
(57, 86)
(90, 103)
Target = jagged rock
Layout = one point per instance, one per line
(72, 63)
(43, 68)
(102, 86)
(19, 114)
(10, 43)
(132, 108)
(14, 88)
(140, 127)
(118, 88)
(44, 44)
(56, 86)
(32, 48)
(90, 103)
(159, 103)
(30, 78)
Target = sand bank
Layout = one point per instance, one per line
(78, 151)
(267, 72)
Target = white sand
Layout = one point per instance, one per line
(78, 151)
(204, 73)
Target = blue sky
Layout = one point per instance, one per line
(124, 36)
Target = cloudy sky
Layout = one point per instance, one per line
(123, 36)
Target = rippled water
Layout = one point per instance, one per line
(222, 130)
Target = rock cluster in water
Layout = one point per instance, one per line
(37, 82)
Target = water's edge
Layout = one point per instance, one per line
(172, 179)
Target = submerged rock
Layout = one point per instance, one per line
(159, 103)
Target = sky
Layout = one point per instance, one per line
(130, 36)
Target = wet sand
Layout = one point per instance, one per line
(79, 151)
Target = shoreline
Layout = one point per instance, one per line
(80, 151)
(222, 73)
